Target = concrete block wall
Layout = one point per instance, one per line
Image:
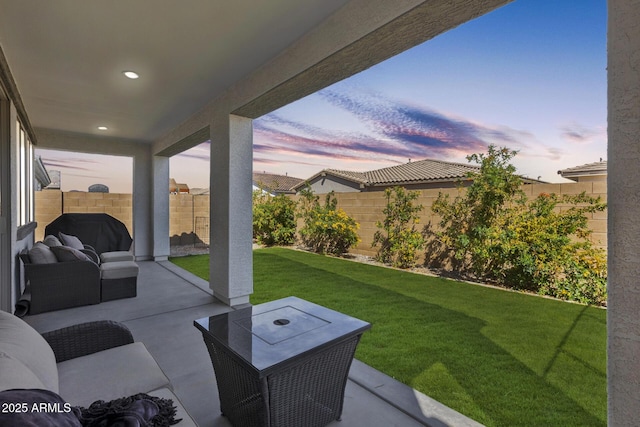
(180, 214)
(51, 203)
(183, 211)
(201, 206)
(366, 208)
(48, 206)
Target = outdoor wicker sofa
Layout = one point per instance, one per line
(59, 285)
(58, 276)
(80, 364)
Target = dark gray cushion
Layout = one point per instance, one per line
(71, 241)
(42, 254)
(52, 240)
(67, 254)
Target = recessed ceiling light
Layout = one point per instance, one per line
(102, 128)
(131, 74)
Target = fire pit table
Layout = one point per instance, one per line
(282, 363)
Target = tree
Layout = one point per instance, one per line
(399, 240)
(495, 233)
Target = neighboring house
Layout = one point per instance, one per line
(42, 178)
(275, 184)
(586, 173)
(55, 180)
(419, 175)
(199, 191)
(175, 188)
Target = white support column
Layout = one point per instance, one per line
(231, 264)
(141, 209)
(623, 314)
(161, 250)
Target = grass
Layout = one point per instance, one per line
(499, 357)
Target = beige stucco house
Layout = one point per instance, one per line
(416, 175)
(589, 172)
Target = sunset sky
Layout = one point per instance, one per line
(530, 76)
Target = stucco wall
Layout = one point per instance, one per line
(623, 320)
(327, 184)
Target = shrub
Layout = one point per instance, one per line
(496, 233)
(274, 221)
(327, 229)
(401, 242)
(583, 278)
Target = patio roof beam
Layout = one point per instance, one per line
(421, 21)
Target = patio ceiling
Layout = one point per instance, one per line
(67, 57)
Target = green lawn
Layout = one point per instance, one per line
(501, 358)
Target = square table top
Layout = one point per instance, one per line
(266, 336)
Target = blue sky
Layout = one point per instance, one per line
(530, 76)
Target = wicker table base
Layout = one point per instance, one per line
(302, 387)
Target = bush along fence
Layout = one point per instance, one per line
(325, 228)
(498, 230)
(495, 233)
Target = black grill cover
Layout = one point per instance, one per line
(104, 232)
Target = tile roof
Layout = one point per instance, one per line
(409, 173)
(175, 187)
(276, 183)
(596, 168)
(420, 171)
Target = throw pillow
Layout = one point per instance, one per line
(67, 254)
(42, 254)
(36, 408)
(71, 241)
(51, 240)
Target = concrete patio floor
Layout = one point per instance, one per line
(161, 316)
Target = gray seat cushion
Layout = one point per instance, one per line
(116, 256)
(20, 342)
(110, 374)
(16, 375)
(119, 270)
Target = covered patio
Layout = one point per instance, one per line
(161, 316)
(207, 69)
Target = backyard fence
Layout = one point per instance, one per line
(50, 204)
(366, 208)
(189, 214)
